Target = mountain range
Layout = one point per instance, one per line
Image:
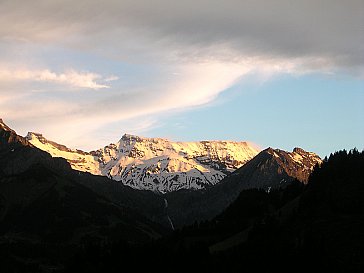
(163, 166)
(50, 200)
(154, 163)
(180, 204)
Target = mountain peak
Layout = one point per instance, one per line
(298, 163)
(8, 135)
(32, 135)
(130, 136)
(135, 138)
(269, 150)
(4, 127)
(299, 150)
(156, 164)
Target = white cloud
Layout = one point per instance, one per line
(191, 51)
(134, 109)
(111, 78)
(70, 77)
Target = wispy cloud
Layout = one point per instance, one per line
(71, 77)
(133, 109)
(111, 78)
(184, 54)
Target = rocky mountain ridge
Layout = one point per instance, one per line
(270, 170)
(154, 163)
(42, 199)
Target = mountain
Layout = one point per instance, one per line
(43, 201)
(270, 169)
(77, 159)
(17, 154)
(273, 168)
(7, 135)
(156, 164)
(313, 227)
(53, 217)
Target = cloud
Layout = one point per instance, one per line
(135, 108)
(174, 88)
(111, 78)
(70, 77)
(179, 54)
(194, 29)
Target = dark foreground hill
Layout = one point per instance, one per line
(46, 208)
(318, 227)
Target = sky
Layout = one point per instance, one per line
(284, 73)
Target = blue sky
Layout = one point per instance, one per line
(278, 74)
(321, 113)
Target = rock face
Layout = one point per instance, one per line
(270, 169)
(156, 164)
(274, 168)
(7, 135)
(146, 162)
(302, 165)
(17, 154)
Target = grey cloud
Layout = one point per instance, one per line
(188, 29)
(171, 37)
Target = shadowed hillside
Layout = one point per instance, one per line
(313, 228)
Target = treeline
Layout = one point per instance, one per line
(318, 227)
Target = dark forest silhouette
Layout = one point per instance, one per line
(316, 227)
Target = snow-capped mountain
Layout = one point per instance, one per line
(156, 164)
(79, 160)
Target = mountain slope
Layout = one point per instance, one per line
(323, 226)
(43, 200)
(78, 159)
(317, 227)
(156, 164)
(270, 169)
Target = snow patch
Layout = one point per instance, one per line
(156, 164)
